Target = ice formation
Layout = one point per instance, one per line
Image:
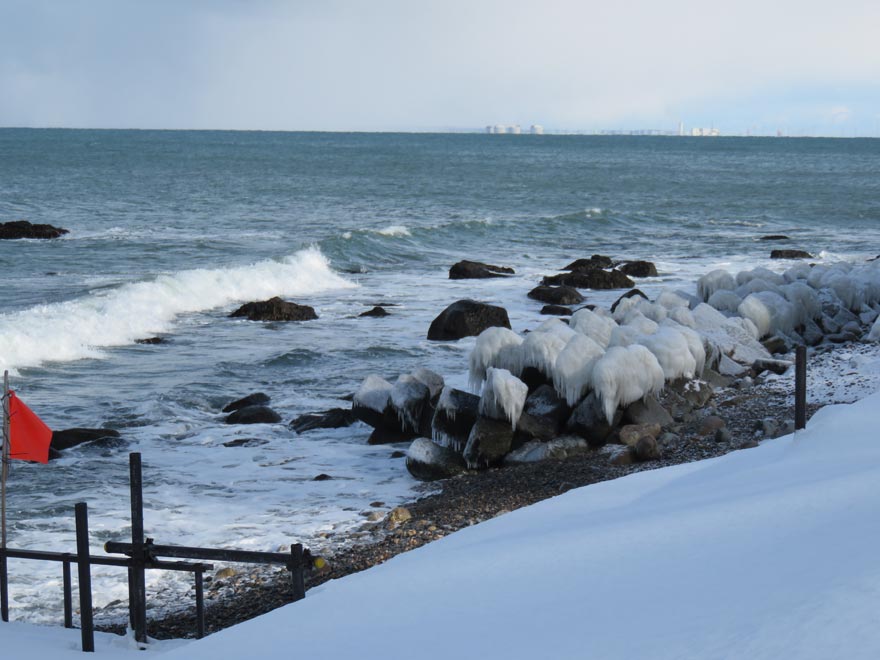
(624, 375)
(574, 367)
(594, 325)
(489, 351)
(504, 396)
(671, 349)
(713, 281)
(374, 393)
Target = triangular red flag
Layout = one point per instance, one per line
(29, 436)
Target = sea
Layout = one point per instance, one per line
(170, 231)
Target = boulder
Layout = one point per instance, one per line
(628, 294)
(710, 425)
(68, 438)
(454, 417)
(775, 344)
(621, 456)
(589, 422)
(556, 310)
(254, 415)
(428, 461)
(334, 418)
(488, 442)
(790, 254)
(638, 269)
(694, 393)
(556, 449)
(408, 398)
(543, 415)
(590, 279)
(372, 405)
(475, 270)
(597, 261)
(246, 442)
(388, 435)
(274, 309)
(466, 318)
(647, 411)
(776, 366)
(24, 229)
(630, 434)
(556, 295)
(149, 341)
(376, 312)
(255, 399)
(774, 237)
(646, 449)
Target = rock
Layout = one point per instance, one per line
(775, 344)
(710, 425)
(151, 341)
(590, 279)
(408, 399)
(24, 229)
(556, 295)
(595, 262)
(253, 415)
(398, 454)
(558, 449)
(387, 435)
(669, 440)
(728, 367)
(475, 270)
(589, 422)
(555, 310)
(776, 366)
(694, 393)
(466, 318)
(455, 416)
(647, 411)
(543, 416)
(68, 438)
(245, 442)
(428, 461)
(628, 294)
(372, 404)
(274, 309)
(487, 443)
(621, 456)
(790, 254)
(225, 573)
(639, 269)
(774, 237)
(398, 515)
(787, 428)
(376, 312)
(329, 419)
(769, 427)
(723, 435)
(255, 399)
(714, 379)
(646, 449)
(322, 477)
(631, 433)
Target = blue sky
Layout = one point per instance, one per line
(801, 67)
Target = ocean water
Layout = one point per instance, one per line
(172, 230)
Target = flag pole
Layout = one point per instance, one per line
(5, 468)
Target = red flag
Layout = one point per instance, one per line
(29, 436)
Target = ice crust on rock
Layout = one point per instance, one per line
(624, 375)
(574, 368)
(504, 396)
(493, 348)
(596, 326)
(374, 393)
(713, 281)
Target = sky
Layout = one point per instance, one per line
(798, 66)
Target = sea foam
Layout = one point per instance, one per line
(80, 328)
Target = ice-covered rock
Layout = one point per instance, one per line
(504, 396)
(624, 375)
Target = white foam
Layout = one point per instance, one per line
(394, 230)
(79, 328)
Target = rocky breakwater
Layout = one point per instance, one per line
(627, 381)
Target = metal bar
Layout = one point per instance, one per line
(85, 577)
(208, 554)
(4, 474)
(296, 571)
(4, 589)
(119, 562)
(68, 595)
(800, 388)
(200, 606)
(138, 602)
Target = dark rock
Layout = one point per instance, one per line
(556, 295)
(595, 262)
(534, 378)
(694, 393)
(151, 341)
(24, 229)
(68, 438)
(254, 415)
(543, 417)
(334, 418)
(790, 254)
(408, 398)
(775, 344)
(466, 318)
(275, 309)
(375, 312)
(475, 270)
(647, 411)
(428, 461)
(639, 269)
(456, 414)
(556, 310)
(776, 366)
(589, 422)
(646, 449)
(322, 477)
(812, 333)
(630, 434)
(487, 443)
(590, 279)
(628, 294)
(622, 456)
(774, 237)
(710, 425)
(245, 442)
(385, 436)
(398, 454)
(255, 399)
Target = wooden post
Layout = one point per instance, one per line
(4, 474)
(800, 388)
(137, 581)
(296, 572)
(85, 577)
(68, 594)
(200, 604)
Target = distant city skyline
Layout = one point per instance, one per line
(750, 68)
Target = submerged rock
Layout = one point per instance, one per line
(18, 229)
(329, 419)
(556, 310)
(476, 270)
(68, 438)
(595, 262)
(638, 269)
(376, 312)
(274, 309)
(556, 295)
(255, 399)
(254, 415)
(466, 318)
(790, 254)
(590, 279)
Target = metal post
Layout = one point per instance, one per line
(138, 589)
(296, 571)
(85, 577)
(800, 388)
(4, 589)
(200, 605)
(4, 475)
(68, 594)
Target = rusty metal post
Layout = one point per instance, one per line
(85, 577)
(800, 388)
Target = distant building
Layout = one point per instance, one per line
(536, 129)
(499, 128)
(705, 132)
(514, 130)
